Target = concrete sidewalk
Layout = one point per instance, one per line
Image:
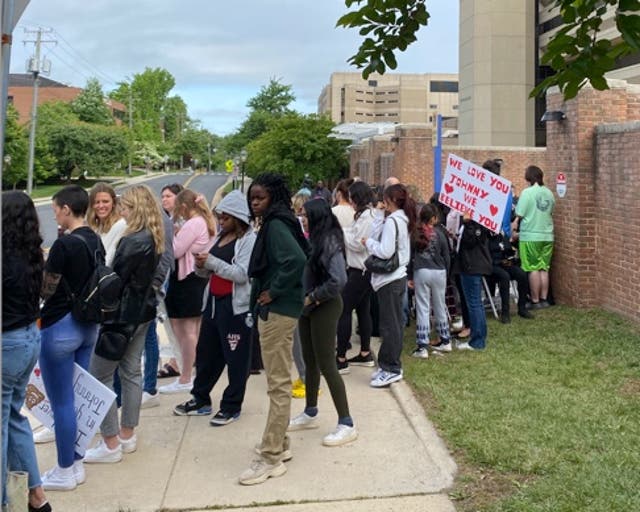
(397, 463)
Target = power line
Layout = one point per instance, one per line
(88, 64)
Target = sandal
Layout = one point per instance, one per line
(167, 371)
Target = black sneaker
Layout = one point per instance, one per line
(525, 314)
(361, 360)
(223, 418)
(192, 408)
(343, 366)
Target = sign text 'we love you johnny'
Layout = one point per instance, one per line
(467, 187)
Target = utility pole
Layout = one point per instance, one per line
(36, 67)
(209, 156)
(130, 109)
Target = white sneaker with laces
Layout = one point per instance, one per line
(149, 400)
(465, 346)
(78, 472)
(175, 387)
(260, 470)
(385, 378)
(343, 434)
(441, 347)
(44, 435)
(102, 454)
(129, 445)
(302, 422)
(59, 479)
(375, 373)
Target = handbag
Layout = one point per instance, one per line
(113, 340)
(114, 337)
(377, 265)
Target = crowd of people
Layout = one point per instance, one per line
(261, 281)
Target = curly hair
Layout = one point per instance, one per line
(276, 187)
(21, 238)
(92, 218)
(144, 213)
(189, 201)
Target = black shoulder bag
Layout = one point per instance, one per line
(377, 265)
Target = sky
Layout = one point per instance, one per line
(220, 53)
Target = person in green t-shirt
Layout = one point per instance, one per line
(534, 212)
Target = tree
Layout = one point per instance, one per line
(83, 147)
(148, 92)
(576, 52)
(296, 145)
(89, 105)
(272, 102)
(16, 144)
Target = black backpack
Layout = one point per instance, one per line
(99, 299)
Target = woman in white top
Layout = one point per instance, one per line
(343, 209)
(357, 292)
(104, 219)
(390, 233)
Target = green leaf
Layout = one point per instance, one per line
(599, 83)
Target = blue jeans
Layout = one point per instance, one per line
(64, 343)
(472, 289)
(20, 349)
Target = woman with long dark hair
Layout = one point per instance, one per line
(277, 299)
(357, 292)
(324, 277)
(390, 233)
(22, 266)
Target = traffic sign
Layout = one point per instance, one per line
(228, 165)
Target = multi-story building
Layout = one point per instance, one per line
(392, 97)
(501, 45)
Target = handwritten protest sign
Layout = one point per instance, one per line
(92, 400)
(468, 187)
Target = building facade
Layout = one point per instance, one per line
(501, 46)
(392, 97)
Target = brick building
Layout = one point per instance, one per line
(20, 94)
(597, 147)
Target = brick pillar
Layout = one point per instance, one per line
(413, 162)
(570, 149)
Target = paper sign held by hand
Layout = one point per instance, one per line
(92, 400)
(467, 187)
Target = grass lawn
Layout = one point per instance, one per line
(547, 418)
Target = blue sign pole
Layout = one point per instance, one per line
(437, 156)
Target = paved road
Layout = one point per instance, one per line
(206, 184)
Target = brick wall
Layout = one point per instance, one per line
(596, 224)
(617, 193)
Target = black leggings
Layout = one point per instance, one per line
(355, 295)
(317, 335)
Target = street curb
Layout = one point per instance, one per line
(426, 432)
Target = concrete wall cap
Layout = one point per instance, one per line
(631, 126)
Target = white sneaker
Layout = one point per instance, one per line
(129, 445)
(375, 373)
(442, 347)
(385, 378)
(101, 454)
(59, 479)
(343, 434)
(175, 387)
(302, 422)
(464, 345)
(260, 470)
(44, 435)
(78, 472)
(420, 353)
(149, 400)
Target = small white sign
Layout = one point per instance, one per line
(467, 187)
(92, 402)
(561, 184)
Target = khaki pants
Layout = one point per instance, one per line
(276, 339)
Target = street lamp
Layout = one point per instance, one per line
(243, 159)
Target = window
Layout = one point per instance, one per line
(373, 83)
(433, 106)
(443, 86)
(393, 101)
(455, 107)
